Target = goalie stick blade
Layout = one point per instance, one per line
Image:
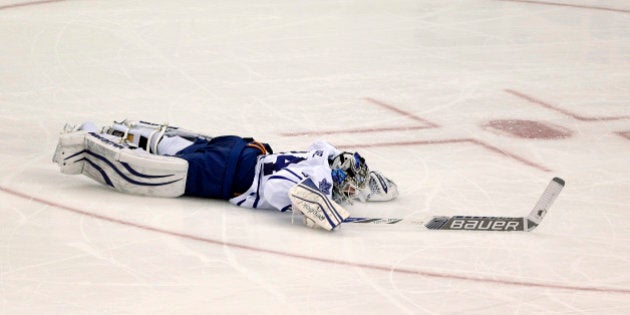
(483, 223)
(544, 203)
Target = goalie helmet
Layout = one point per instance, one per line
(350, 175)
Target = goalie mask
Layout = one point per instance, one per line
(350, 174)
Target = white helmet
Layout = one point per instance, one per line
(350, 174)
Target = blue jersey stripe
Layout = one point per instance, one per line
(294, 174)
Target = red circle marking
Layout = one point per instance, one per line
(528, 129)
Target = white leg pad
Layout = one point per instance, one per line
(319, 210)
(70, 152)
(123, 169)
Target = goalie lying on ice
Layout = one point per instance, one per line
(158, 160)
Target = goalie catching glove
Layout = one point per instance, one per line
(380, 188)
(319, 210)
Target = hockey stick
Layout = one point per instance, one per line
(484, 223)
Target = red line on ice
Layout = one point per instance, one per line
(625, 134)
(561, 110)
(27, 4)
(389, 269)
(451, 141)
(358, 130)
(579, 6)
(402, 112)
(426, 124)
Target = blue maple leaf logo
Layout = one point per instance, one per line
(324, 186)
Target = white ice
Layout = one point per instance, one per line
(412, 85)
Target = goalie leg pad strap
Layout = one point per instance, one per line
(319, 210)
(148, 136)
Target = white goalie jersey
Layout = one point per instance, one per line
(277, 173)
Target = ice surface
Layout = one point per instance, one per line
(460, 102)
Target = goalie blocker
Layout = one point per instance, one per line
(319, 210)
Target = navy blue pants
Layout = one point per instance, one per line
(222, 167)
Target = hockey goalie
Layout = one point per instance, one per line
(149, 159)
